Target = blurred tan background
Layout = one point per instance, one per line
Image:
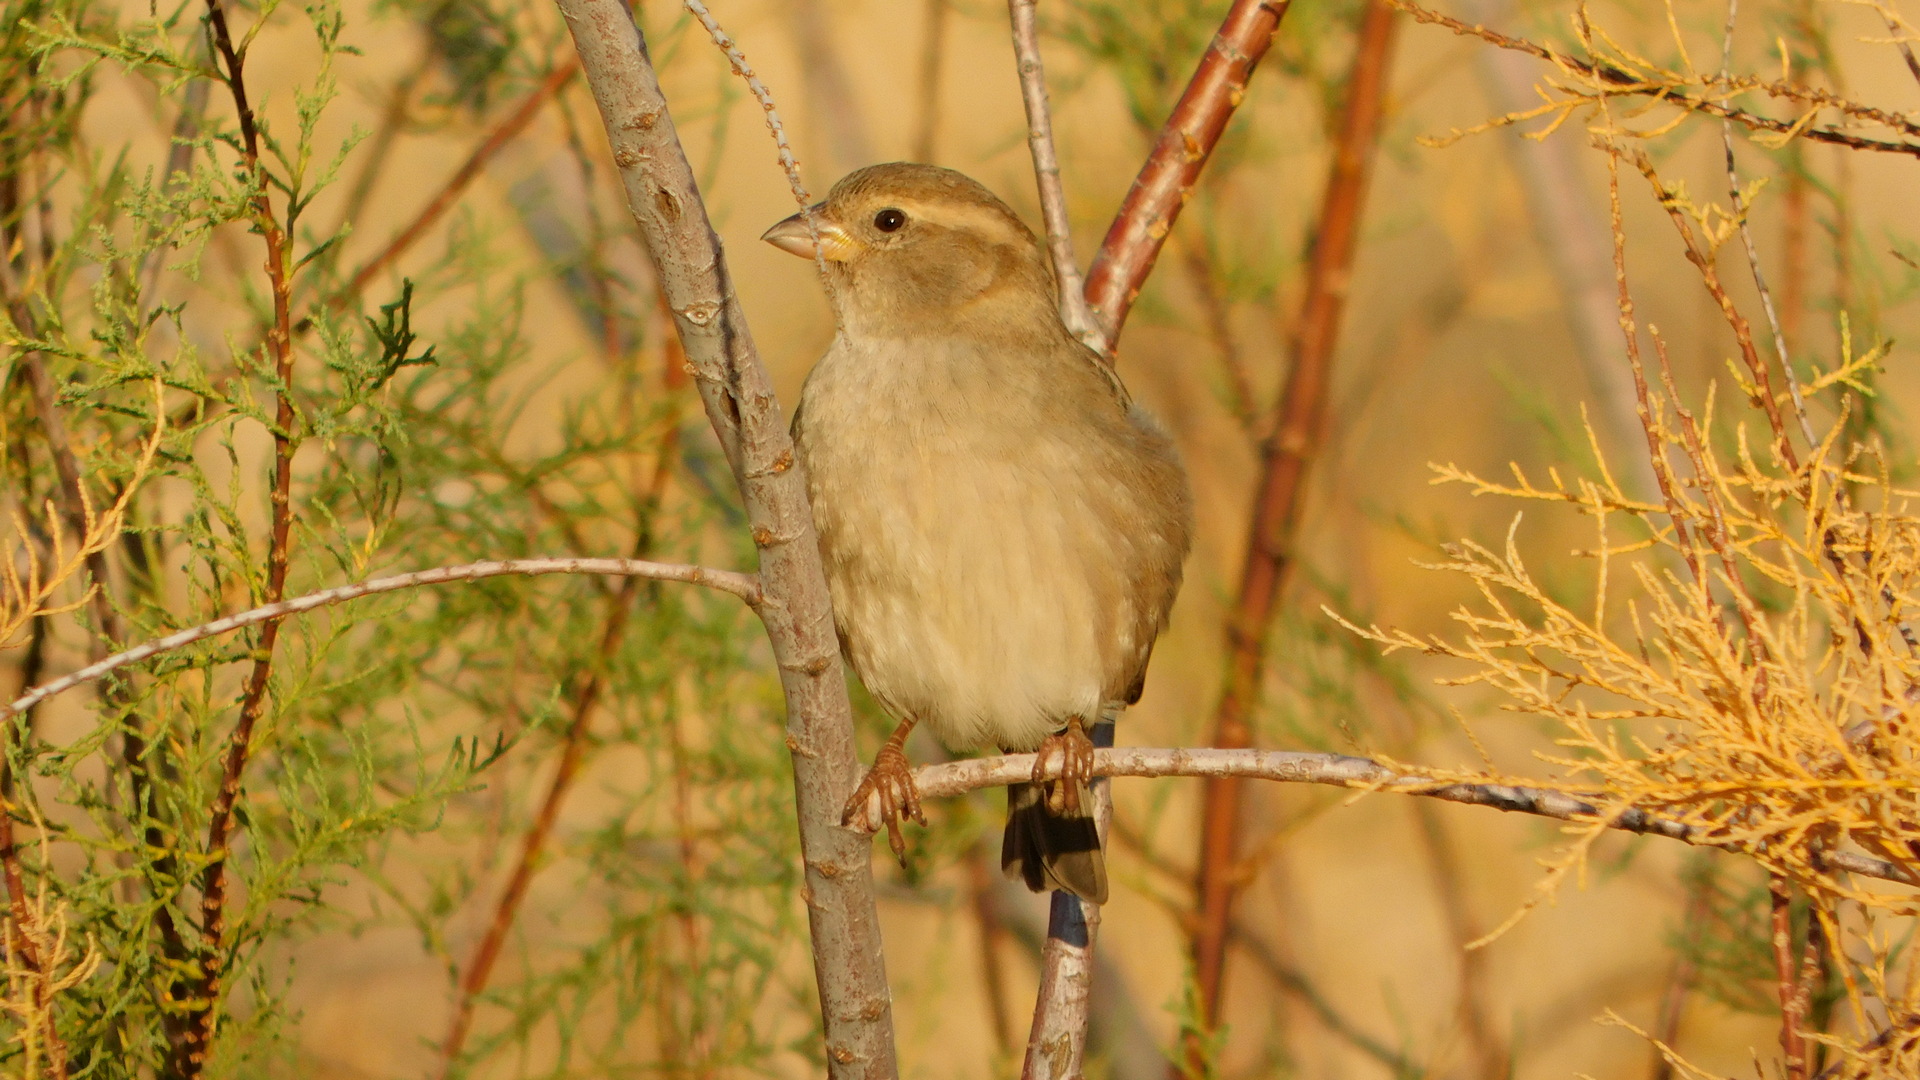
(1459, 346)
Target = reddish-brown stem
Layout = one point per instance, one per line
(1786, 965)
(1288, 453)
(1161, 188)
(191, 1052)
(1702, 260)
(1793, 245)
(503, 133)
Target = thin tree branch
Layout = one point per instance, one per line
(1062, 1010)
(952, 779)
(190, 1054)
(849, 964)
(1285, 461)
(1627, 84)
(1295, 982)
(744, 586)
(1074, 311)
(1160, 190)
(503, 133)
(1753, 251)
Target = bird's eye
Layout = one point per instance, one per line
(889, 220)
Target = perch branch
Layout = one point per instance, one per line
(951, 779)
(849, 965)
(1163, 184)
(744, 586)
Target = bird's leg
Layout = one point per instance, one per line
(893, 780)
(1075, 751)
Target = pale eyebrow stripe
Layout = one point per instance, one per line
(980, 218)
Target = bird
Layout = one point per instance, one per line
(1003, 529)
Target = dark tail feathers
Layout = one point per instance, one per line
(1053, 851)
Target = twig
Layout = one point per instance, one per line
(849, 963)
(1753, 251)
(1074, 311)
(1146, 217)
(1618, 82)
(1786, 970)
(1491, 1057)
(830, 94)
(503, 133)
(744, 586)
(951, 779)
(1285, 460)
(190, 1053)
(1673, 1000)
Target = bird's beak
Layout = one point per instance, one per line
(793, 237)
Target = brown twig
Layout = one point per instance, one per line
(1490, 1055)
(190, 1054)
(952, 779)
(981, 873)
(1702, 259)
(1288, 453)
(1786, 965)
(1074, 311)
(1680, 980)
(849, 964)
(1624, 83)
(503, 133)
(1146, 216)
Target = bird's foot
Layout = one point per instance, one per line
(1075, 751)
(892, 779)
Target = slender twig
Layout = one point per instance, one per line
(1680, 980)
(1900, 33)
(1285, 460)
(1753, 251)
(830, 94)
(190, 1053)
(952, 779)
(503, 133)
(744, 586)
(1620, 82)
(1161, 188)
(1786, 970)
(981, 875)
(1074, 311)
(1062, 1009)
(849, 963)
(1491, 1057)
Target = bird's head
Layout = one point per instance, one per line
(912, 249)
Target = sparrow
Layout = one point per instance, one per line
(1003, 529)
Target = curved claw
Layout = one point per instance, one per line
(892, 780)
(1075, 751)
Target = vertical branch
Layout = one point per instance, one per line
(1288, 453)
(191, 1053)
(828, 91)
(1786, 963)
(1074, 311)
(1057, 1042)
(1186, 140)
(849, 965)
